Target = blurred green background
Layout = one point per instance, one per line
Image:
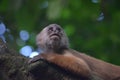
(93, 26)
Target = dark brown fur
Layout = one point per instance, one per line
(57, 51)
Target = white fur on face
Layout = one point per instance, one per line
(44, 41)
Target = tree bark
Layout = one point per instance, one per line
(14, 66)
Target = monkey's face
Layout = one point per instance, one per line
(54, 32)
(52, 37)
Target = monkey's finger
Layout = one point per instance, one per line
(35, 59)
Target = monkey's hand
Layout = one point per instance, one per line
(67, 62)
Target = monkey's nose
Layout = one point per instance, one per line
(56, 31)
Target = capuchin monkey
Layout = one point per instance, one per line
(55, 45)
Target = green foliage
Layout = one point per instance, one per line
(99, 38)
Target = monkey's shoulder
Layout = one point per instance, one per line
(72, 52)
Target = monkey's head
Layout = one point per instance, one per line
(52, 38)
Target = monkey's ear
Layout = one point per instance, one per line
(40, 40)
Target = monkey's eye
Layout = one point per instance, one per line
(58, 29)
(50, 29)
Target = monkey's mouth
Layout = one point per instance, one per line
(55, 36)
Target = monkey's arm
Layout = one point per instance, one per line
(67, 62)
